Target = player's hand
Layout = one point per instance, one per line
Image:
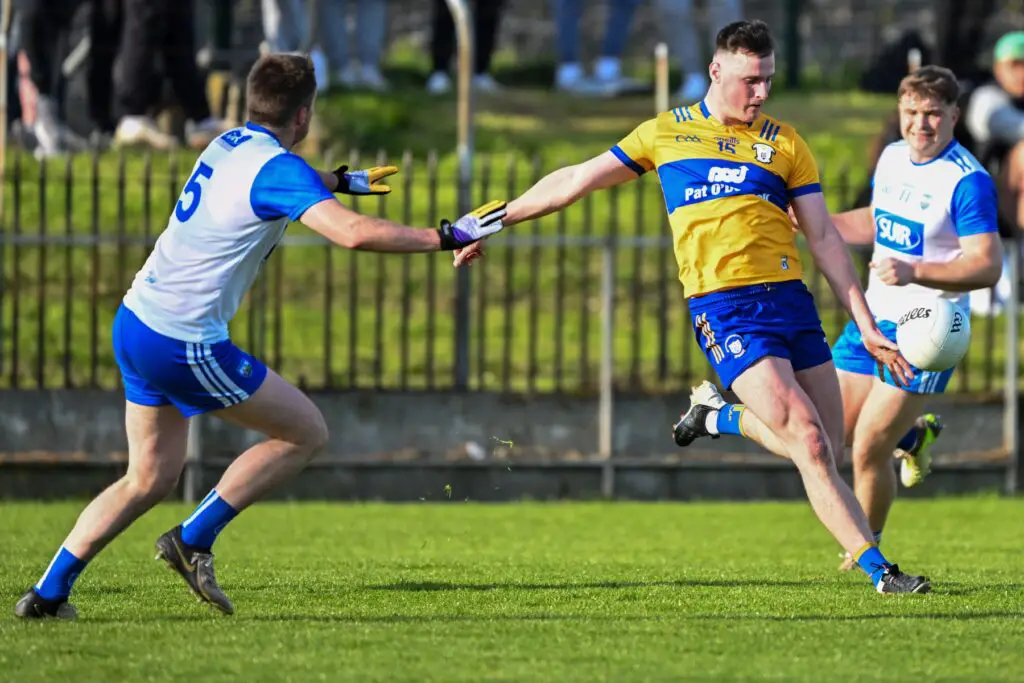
(475, 225)
(792, 218)
(467, 255)
(363, 182)
(888, 355)
(893, 272)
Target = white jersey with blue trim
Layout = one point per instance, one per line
(920, 212)
(234, 209)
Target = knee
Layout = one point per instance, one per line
(313, 438)
(151, 485)
(318, 436)
(870, 451)
(811, 442)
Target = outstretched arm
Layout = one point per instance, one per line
(557, 190)
(833, 259)
(567, 185)
(353, 230)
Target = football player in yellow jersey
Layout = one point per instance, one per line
(728, 174)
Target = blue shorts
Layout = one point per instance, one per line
(851, 356)
(738, 327)
(196, 378)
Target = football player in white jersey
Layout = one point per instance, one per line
(171, 332)
(932, 222)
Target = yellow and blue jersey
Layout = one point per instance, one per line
(726, 191)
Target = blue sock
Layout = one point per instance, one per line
(872, 562)
(908, 441)
(201, 528)
(728, 420)
(58, 578)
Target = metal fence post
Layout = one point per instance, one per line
(464, 40)
(604, 410)
(1012, 415)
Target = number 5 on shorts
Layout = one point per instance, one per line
(195, 190)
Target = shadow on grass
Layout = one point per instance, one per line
(431, 586)
(956, 588)
(482, 618)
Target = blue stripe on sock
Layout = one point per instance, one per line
(908, 441)
(209, 519)
(56, 582)
(873, 563)
(729, 419)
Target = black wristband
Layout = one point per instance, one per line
(339, 173)
(446, 233)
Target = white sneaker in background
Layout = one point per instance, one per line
(202, 133)
(568, 76)
(323, 77)
(142, 130)
(439, 83)
(348, 76)
(608, 68)
(371, 78)
(694, 87)
(47, 129)
(485, 83)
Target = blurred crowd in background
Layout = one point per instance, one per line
(101, 65)
(91, 73)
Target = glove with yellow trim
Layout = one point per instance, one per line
(366, 181)
(475, 225)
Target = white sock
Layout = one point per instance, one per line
(711, 422)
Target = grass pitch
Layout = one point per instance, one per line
(561, 592)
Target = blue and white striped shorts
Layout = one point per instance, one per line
(851, 356)
(196, 378)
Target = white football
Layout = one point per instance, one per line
(934, 336)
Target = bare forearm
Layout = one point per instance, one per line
(855, 227)
(833, 259)
(368, 233)
(553, 192)
(959, 275)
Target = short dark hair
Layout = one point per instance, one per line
(752, 37)
(933, 81)
(278, 86)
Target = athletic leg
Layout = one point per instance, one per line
(771, 392)
(156, 453)
(887, 415)
(296, 432)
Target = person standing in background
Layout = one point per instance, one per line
(152, 28)
(370, 32)
(486, 16)
(607, 80)
(689, 45)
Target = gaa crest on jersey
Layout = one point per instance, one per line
(763, 152)
(898, 233)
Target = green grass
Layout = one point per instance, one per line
(357, 341)
(559, 592)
